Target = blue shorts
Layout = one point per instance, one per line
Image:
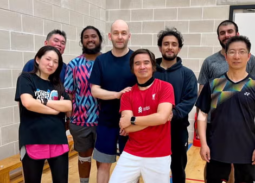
(106, 144)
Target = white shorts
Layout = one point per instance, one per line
(153, 170)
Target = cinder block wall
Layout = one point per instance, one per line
(24, 25)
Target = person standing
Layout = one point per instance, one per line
(110, 78)
(84, 117)
(57, 39)
(230, 99)
(184, 82)
(145, 112)
(216, 65)
(43, 104)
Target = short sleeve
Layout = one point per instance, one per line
(95, 77)
(204, 99)
(24, 85)
(69, 83)
(203, 75)
(29, 66)
(125, 102)
(251, 66)
(62, 73)
(66, 96)
(166, 94)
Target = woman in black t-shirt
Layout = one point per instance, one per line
(43, 104)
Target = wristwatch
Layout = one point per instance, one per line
(133, 120)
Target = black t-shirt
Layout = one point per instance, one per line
(37, 128)
(112, 74)
(231, 136)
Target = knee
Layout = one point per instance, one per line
(86, 153)
(105, 166)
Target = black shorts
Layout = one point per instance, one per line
(216, 172)
(84, 137)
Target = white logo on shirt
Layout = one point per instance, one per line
(153, 96)
(247, 94)
(140, 109)
(40, 94)
(146, 108)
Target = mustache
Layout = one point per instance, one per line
(225, 39)
(95, 50)
(90, 42)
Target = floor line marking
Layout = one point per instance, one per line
(195, 180)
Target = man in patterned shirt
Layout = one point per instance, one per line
(84, 116)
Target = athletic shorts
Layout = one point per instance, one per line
(216, 172)
(84, 137)
(106, 144)
(153, 170)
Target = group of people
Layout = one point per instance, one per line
(129, 103)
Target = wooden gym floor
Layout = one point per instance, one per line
(194, 169)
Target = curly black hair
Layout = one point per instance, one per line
(170, 32)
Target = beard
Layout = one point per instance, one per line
(95, 50)
(222, 44)
(169, 58)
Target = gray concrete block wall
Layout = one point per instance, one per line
(24, 25)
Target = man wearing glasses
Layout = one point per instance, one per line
(216, 65)
(230, 99)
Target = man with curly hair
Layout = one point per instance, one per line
(170, 69)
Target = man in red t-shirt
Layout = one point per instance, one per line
(145, 111)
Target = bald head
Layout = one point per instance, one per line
(119, 35)
(119, 25)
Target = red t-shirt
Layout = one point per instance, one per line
(153, 141)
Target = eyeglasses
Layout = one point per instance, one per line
(241, 53)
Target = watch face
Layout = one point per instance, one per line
(133, 120)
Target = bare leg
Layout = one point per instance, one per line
(103, 172)
(231, 175)
(84, 164)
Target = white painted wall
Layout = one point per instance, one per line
(246, 27)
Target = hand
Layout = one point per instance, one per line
(127, 89)
(205, 153)
(123, 132)
(253, 158)
(125, 122)
(170, 117)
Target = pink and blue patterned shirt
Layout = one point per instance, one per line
(85, 106)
